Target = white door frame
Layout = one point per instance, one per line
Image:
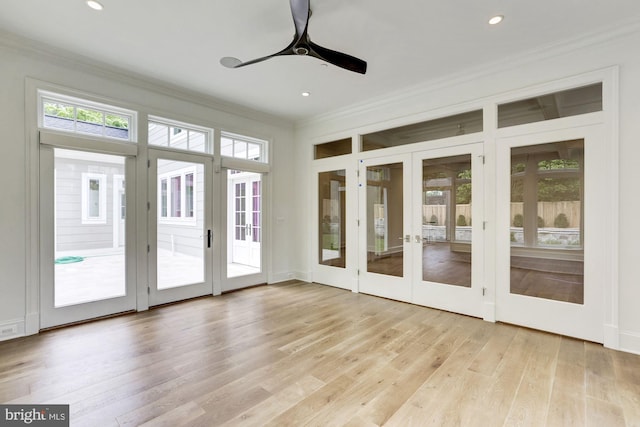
(248, 244)
(206, 287)
(49, 314)
(457, 299)
(227, 238)
(387, 286)
(347, 277)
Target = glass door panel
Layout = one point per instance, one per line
(547, 186)
(180, 226)
(446, 220)
(332, 214)
(385, 224)
(181, 223)
(448, 217)
(336, 231)
(553, 230)
(244, 223)
(84, 213)
(384, 227)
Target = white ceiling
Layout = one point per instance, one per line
(405, 42)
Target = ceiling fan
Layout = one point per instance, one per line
(302, 45)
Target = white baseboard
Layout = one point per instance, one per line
(288, 275)
(11, 329)
(629, 342)
(302, 275)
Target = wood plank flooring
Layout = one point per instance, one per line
(298, 354)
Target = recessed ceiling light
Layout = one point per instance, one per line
(496, 20)
(306, 93)
(95, 5)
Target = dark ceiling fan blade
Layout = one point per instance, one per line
(338, 59)
(300, 10)
(231, 62)
(303, 46)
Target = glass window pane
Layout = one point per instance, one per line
(253, 151)
(89, 121)
(89, 256)
(176, 196)
(446, 220)
(332, 230)
(242, 147)
(117, 126)
(547, 184)
(189, 195)
(181, 237)
(333, 148)
(197, 141)
(59, 116)
(226, 146)
(67, 115)
(94, 198)
(163, 198)
(565, 103)
(459, 124)
(178, 138)
(158, 134)
(385, 226)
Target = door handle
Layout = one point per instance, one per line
(209, 238)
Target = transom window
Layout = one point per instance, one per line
(182, 136)
(243, 147)
(75, 115)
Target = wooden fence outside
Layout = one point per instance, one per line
(548, 211)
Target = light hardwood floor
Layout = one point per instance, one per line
(305, 354)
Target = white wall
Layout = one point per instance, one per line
(476, 86)
(20, 61)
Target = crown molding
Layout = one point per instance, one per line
(67, 58)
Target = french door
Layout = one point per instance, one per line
(418, 239)
(87, 267)
(242, 261)
(180, 226)
(447, 208)
(245, 215)
(553, 231)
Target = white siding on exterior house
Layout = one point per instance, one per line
(72, 233)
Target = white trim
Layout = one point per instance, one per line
(628, 341)
(84, 143)
(14, 327)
